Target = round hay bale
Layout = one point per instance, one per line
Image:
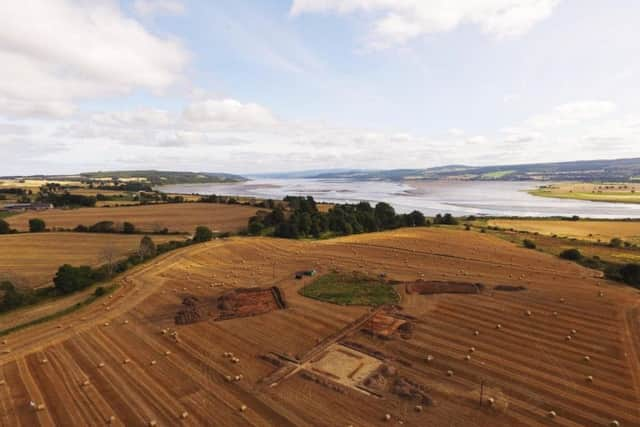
(589, 378)
(243, 408)
(429, 358)
(418, 408)
(498, 326)
(111, 419)
(387, 417)
(449, 373)
(568, 337)
(472, 349)
(467, 357)
(552, 414)
(152, 423)
(528, 313)
(614, 423)
(167, 353)
(101, 365)
(491, 401)
(586, 358)
(153, 362)
(476, 333)
(184, 415)
(573, 332)
(2, 382)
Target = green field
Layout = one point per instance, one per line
(496, 174)
(350, 289)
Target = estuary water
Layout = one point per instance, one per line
(431, 197)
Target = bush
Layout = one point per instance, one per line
(616, 242)
(4, 227)
(103, 227)
(571, 254)
(630, 273)
(203, 234)
(100, 291)
(128, 228)
(529, 244)
(36, 225)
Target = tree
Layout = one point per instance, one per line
(255, 226)
(385, 215)
(128, 228)
(203, 234)
(108, 255)
(416, 218)
(4, 227)
(529, 244)
(70, 279)
(147, 248)
(37, 225)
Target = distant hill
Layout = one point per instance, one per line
(152, 177)
(620, 170)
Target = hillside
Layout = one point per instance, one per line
(618, 170)
(153, 177)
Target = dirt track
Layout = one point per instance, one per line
(528, 362)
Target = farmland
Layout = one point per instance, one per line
(605, 192)
(127, 359)
(182, 217)
(31, 260)
(589, 230)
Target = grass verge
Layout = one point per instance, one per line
(90, 299)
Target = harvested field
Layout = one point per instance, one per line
(31, 260)
(591, 230)
(439, 287)
(138, 374)
(182, 217)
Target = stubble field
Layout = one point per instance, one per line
(179, 217)
(31, 260)
(112, 359)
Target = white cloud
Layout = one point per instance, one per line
(158, 7)
(228, 113)
(56, 52)
(396, 22)
(572, 113)
(479, 139)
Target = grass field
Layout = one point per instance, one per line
(31, 260)
(606, 192)
(350, 289)
(591, 230)
(114, 360)
(182, 217)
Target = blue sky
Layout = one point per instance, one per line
(256, 86)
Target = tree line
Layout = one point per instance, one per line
(303, 219)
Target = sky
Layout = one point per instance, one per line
(255, 86)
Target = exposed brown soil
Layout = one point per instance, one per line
(250, 302)
(437, 287)
(383, 325)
